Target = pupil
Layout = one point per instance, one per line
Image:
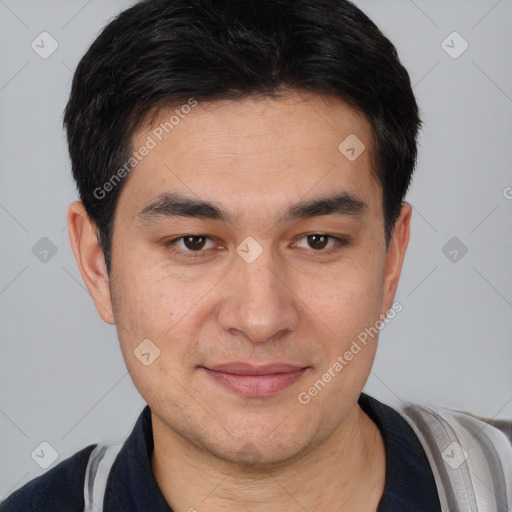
(319, 241)
(191, 242)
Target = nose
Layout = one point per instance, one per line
(258, 302)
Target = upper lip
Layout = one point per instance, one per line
(240, 368)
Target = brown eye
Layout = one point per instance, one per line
(321, 243)
(190, 246)
(194, 243)
(318, 242)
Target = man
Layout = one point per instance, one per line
(242, 169)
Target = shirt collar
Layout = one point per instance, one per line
(131, 484)
(409, 485)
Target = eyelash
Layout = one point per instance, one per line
(187, 253)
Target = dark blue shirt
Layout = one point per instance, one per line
(131, 486)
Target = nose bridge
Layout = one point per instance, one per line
(259, 304)
(261, 282)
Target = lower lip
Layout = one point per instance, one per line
(256, 385)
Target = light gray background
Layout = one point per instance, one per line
(62, 377)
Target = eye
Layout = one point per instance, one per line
(319, 241)
(189, 244)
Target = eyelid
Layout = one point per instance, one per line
(337, 242)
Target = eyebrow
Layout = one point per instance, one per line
(176, 205)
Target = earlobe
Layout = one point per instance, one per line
(90, 259)
(395, 256)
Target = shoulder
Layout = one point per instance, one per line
(60, 488)
(504, 425)
(471, 455)
(441, 420)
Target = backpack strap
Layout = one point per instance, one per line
(471, 460)
(98, 468)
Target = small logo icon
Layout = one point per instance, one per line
(146, 352)
(352, 147)
(454, 45)
(507, 193)
(44, 45)
(44, 250)
(249, 250)
(454, 249)
(44, 455)
(454, 455)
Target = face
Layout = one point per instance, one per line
(251, 297)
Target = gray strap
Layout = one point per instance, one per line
(98, 468)
(471, 460)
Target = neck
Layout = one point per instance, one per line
(346, 472)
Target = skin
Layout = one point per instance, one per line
(215, 449)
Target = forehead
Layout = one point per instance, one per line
(296, 117)
(257, 150)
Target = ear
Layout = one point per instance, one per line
(90, 259)
(395, 257)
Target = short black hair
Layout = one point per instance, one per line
(161, 53)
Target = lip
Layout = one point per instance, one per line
(255, 381)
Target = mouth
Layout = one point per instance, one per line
(255, 381)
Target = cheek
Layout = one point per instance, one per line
(156, 304)
(346, 310)
(345, 302)
(150, 299)
(151, 315)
